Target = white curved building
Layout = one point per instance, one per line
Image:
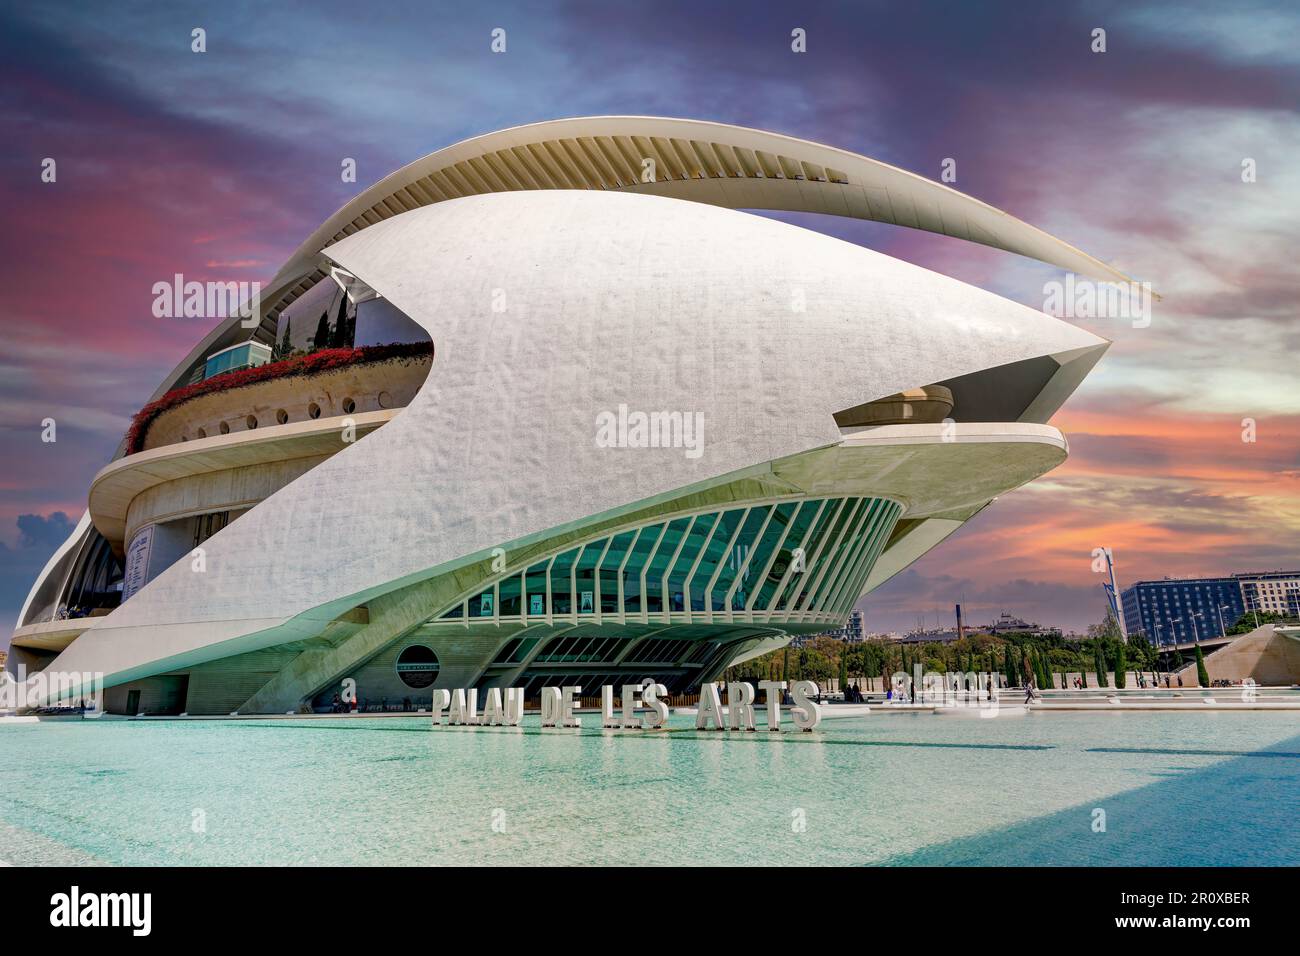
(489, 510)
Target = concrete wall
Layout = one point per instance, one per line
(162, 694)
(1268, 657)
(235, 489)
(372, 386)
(221, 686)
(1092, 679)
(171, 540)
(460, 658)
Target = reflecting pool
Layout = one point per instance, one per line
(889, 788)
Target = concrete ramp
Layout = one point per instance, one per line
(1269, 654)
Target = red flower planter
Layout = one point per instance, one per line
(325, 360)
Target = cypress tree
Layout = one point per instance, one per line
(1202, 675)
(283, 347)
(1009, 665)
(844, 671)
(1121, 665)
(322, 339)
(1099, 664)
(339, 339)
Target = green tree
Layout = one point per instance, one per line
(1141, 653)
(322, 337)
(339, 337)
(1107, 628)
(283, 347)
(1252, 619)
(1121, 665)
(844, 672)
(1202, 675)
(873, 658)
(1099, 664)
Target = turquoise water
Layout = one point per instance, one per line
(1189, 788)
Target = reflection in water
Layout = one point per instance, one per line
(1205, 788)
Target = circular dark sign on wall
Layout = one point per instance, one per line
(417, 666)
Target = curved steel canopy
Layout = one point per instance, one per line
(715, 163)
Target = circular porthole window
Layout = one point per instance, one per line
(251, 422)
(417, 666)
(385, 400)
(313, 410)
(224, 428)
(202, 433)
(349, 406)
(281, 416)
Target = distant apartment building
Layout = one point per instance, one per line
(1271, 592)
(1183, 610)
(851, 632)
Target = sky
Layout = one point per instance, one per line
(217, 164)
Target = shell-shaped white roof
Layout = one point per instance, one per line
(714, 163)
(548, 308)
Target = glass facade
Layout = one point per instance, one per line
(1182, 611)
(246, 355)
(792, 560)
